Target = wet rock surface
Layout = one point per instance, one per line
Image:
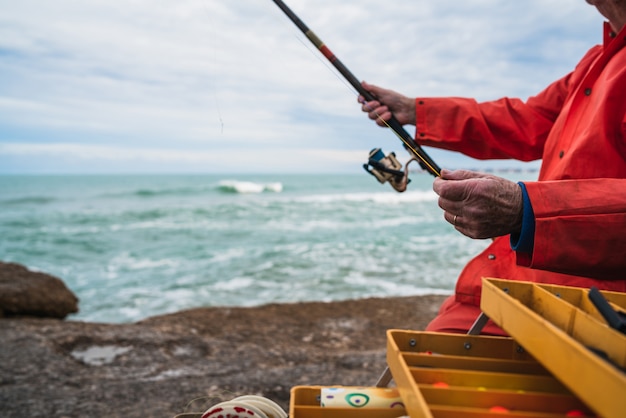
(25, 292)
(191, 360)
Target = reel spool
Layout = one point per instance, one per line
(248, 406)
(387, 169)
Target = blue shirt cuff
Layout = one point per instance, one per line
(524, 241)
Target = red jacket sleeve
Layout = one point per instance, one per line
(501, 129)
(580, 227)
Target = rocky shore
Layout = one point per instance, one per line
(190, 360)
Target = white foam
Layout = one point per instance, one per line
(246, 187)
(128, 262)
(234, 284)
(386, 198)
(274, 187)
(228, 255)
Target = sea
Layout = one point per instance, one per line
(135, 246)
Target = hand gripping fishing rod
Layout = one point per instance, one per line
(424, 159)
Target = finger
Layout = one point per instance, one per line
(450, 205)
(443, 186)
(371, 106)
(382, 117)
(455, 220)
(373, 89)
(379, 112)
(439, 182)
(462, 174)
(457, 185)
(455, 191)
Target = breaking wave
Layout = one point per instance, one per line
(245, 187)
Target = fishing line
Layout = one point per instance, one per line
(331, 69)
(348, 86)
(214, 83)
(352, 90)
(409, 143)
(314, 52)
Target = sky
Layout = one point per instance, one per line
(232, 86)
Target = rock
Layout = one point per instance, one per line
(191, 360)
(28, 293)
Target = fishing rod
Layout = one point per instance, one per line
(383, 169)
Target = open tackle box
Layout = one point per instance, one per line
(566, 333)
(561, 360)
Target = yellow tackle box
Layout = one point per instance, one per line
(566, 333)
(562, 360)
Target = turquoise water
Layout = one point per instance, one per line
(136, 246)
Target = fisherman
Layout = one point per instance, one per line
(567, 228)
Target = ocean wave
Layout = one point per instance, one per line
(32, 200)
(244, 187)
(125, 261)
(174, 191)
(384, 197)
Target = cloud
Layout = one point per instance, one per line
(200, 77)
(128, 159)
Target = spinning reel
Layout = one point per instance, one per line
(387, 168)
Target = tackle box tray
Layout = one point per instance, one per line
(565, 332)
(454, 375)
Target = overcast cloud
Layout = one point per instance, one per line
(232, 86)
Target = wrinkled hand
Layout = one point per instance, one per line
(402, 107)
(479, 205)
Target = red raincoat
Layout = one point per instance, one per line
(577, 125)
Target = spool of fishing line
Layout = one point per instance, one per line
(248, 406)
